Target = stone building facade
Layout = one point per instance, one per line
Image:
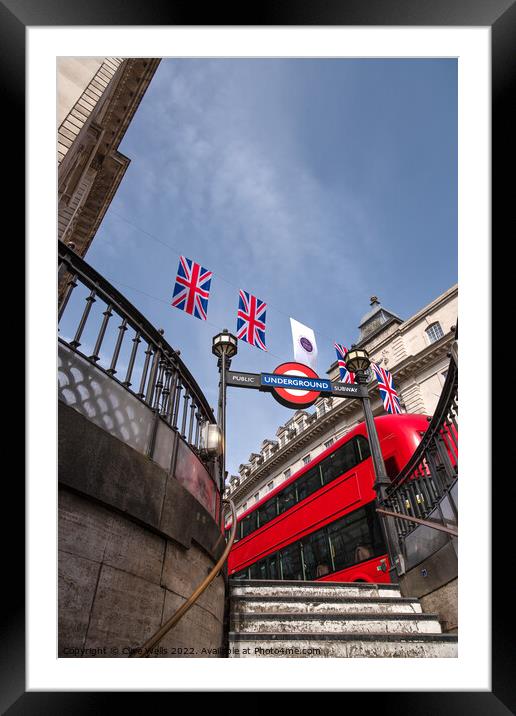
(415, 351)
(97, 99)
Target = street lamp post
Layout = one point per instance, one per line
(357, 362)
(225, 347)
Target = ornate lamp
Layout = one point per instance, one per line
(357, 360)
(224, 343)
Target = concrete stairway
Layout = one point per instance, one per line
(331, 619)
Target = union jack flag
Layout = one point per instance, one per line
(345, 375)
(391, 402)
(192, 288)
(251, 320)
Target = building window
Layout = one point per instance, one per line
(328, 443)
(307, 459)
(257, 497)
(270, 485)
(434, 332)
(287, 473)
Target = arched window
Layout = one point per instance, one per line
(434, 332)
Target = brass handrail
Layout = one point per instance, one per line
(145, 649)
(427, 523)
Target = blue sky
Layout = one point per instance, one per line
(311, 183)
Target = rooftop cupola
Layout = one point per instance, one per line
(375, 318)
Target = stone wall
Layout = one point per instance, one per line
(435, 582)
(133, 545)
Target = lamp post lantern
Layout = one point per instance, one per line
(225, 347)
(358, 362)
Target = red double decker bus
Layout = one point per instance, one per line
(321, 523)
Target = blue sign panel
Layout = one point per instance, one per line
(295, 382)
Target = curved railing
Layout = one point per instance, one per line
(158, 377)
(416, 492)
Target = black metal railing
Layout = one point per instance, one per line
(152, 370)
(417, 492)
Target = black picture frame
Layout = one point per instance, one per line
(500, 15)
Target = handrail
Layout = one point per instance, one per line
(144, 650)
(431, 474)
(448, 393)
(426, 523)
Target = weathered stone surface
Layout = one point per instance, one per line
(355, 647)
(127, 610)
(184, 570)
(316, 589)
(335, 623)
(98, 465)
(323, 605)
(95, 463)
(83, 526)
(183, 518)
(114, 523)
(444, 602)
(197, 635)
(134, 549)
(77, 582)
(335, 619)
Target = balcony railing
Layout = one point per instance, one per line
(151, 370)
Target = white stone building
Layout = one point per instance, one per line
(415, 351)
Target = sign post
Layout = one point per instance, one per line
(295, 385)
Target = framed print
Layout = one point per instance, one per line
(166, 424)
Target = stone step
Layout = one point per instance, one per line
(310, 645)
(265, 587)
(357, 623)
(246, 604)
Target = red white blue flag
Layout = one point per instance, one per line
(251, 320)
(391, 402)
(192, 288)
(345, 375)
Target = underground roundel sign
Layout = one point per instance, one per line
(294, 385)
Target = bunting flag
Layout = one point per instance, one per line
(305, 347)
(345, 375)
(192, 288)
(251, 320)
(391, 401)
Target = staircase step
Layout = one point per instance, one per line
(265, 587)
(249, 604)
(357, 623)
(316, 645)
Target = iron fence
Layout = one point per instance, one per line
(431, 474)
(157, 376)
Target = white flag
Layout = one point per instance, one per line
(305, 347)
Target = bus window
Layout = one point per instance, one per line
(309, 483)
(243, 574)
(316, 555)
(355, 538)
(272, 565)
(290, 559)
(287, 498)
(339, 462)
(249, 524)
(362, 446)
(258, 570)
(345, 535)
(268, 511)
